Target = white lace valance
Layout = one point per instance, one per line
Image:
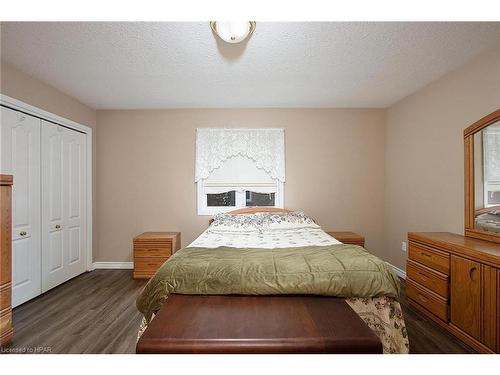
(264, 146)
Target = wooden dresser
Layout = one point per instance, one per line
(5, 259)
(349, 238)
(455, 281)
(151, 250)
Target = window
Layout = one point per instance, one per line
(224, 190)
(227, 199)
(494, 197)
(259, 199)
(238, 168)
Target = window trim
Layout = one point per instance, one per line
(240, 188)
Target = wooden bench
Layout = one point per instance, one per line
(257, 324)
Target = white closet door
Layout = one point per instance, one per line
(63, 204)
(20, 156)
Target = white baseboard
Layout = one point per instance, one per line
(112, 265)
(398, 271)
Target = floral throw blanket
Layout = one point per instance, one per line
(385, 317)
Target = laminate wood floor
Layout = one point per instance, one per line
(95, 313)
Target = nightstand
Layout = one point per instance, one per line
(151, 250)
(349, 238)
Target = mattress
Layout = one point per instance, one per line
(265, 239)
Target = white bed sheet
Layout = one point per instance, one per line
(272, 239)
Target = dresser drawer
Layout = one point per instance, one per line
(427, 299)
(427, 277)
(146, 267)
(435, 259)
(153, 251)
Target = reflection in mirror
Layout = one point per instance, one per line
(487, 178)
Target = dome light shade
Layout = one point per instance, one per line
(233, 32)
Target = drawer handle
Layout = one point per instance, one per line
(425, 254)
(422, 298)
(23, 233)
(471, 272)
(424, 277)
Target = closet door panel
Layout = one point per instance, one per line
(56, 253)
(63, 209)
(20, 156)
(53, 272)
(21, 274)
(76, 214)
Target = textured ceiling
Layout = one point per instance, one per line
(173, 65)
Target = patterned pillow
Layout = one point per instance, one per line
(224, 222)
(261, 221)
(289, 220)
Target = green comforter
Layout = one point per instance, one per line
(335, 270)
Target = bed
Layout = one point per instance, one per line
(488, 219)
(269, 251)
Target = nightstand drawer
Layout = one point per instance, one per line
(153, 251)
(147, 267)
(427, 299)
(427, 277)
(429, 257)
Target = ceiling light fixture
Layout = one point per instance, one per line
(233, 32)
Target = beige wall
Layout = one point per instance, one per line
(21, 86)
(145, 175)
(28, 89)
(424, 152)
(379, 172)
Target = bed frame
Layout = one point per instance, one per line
(486, 210)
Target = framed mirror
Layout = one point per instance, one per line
(482, 178)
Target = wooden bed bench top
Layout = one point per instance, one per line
(257, 324)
